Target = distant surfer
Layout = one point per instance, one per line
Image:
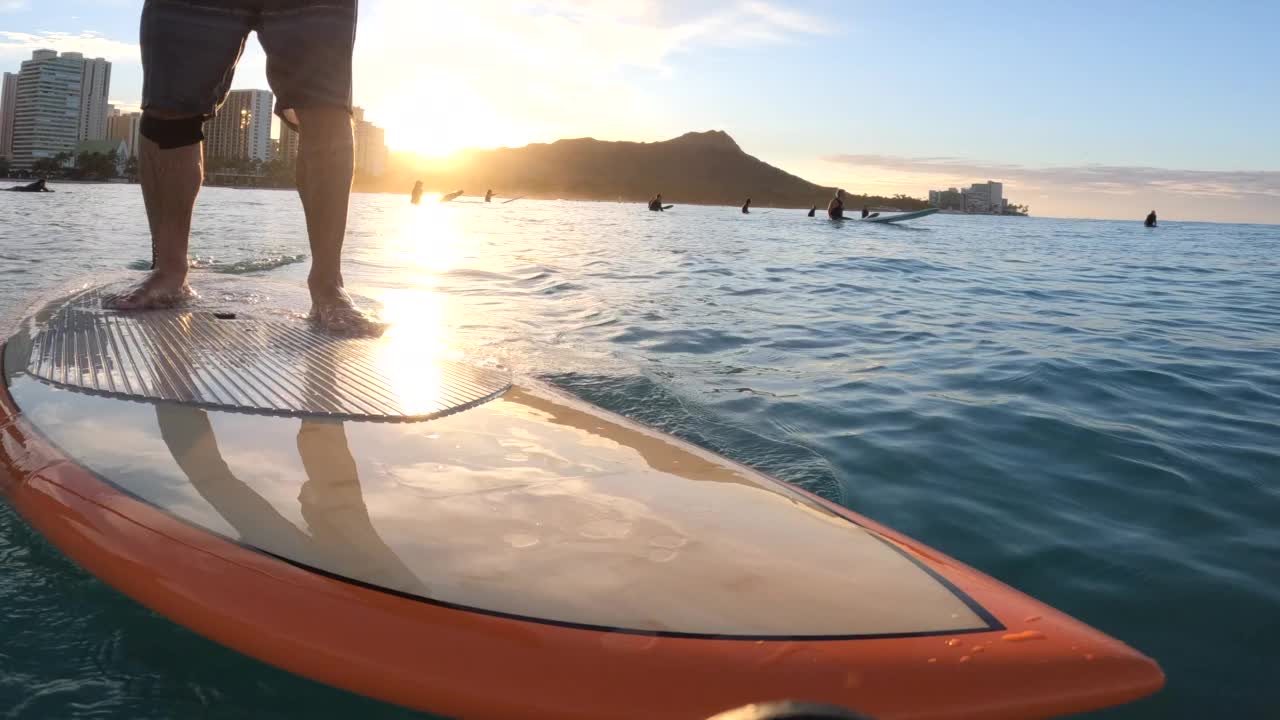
(865, 212)
(746, 207)
(415, 196)
(656, 203)
(37, 186)
(1151, 219)
(835, 208)
(185, 68)
(452, 196)
(488, 195)
(813, 211)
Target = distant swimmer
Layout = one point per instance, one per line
(865, 211)
(1151, 219)
(452, 196)
(746, 207)
(488, 195)
(813, 211)
(656, 203)
(835, 208)
(416, 195)
(37, 186)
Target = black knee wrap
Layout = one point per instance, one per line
(170, 134)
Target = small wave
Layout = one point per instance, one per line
(239, 267)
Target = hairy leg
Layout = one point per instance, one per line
(170, 182)
(326, 158)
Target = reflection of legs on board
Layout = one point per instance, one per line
(333, 506)
(342, 538)
(189, 435)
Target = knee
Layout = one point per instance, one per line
(327, 122)
(171, 132)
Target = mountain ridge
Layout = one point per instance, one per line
(706, 168)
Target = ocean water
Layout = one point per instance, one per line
(1086, 410)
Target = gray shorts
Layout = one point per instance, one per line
(190, 49)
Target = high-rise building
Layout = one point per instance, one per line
(951, 199)
(8, 104)
(371, 148)
(984, 197)
(288, 144)
(995, 196)
(987, 197)
(95, 85)
(46, 118)
(241, 130)
(124, 127)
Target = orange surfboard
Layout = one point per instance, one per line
(436, 536)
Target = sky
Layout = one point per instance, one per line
(1082, 109)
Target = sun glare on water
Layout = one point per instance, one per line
(427, 244)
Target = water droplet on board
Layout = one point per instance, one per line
(965, 658)
(933, 660)
(1033, 618)
(1023, 636)
(953, 642)
(978, 649)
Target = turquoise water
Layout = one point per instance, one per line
(1088, 411)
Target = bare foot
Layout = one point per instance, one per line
(159, 290)
(336, 313)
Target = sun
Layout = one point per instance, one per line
(440, 117)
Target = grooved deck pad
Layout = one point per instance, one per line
(272, 365)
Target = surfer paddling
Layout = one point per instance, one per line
(656, 203)
(189, 50)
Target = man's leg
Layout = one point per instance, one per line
(189, 52)
(171, 180)
(309, 67)
(326, 160)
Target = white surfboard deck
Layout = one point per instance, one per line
(900, 217)
(226, 355)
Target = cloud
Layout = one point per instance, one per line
(92, 44)
(13, 5)
(1106, 179)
